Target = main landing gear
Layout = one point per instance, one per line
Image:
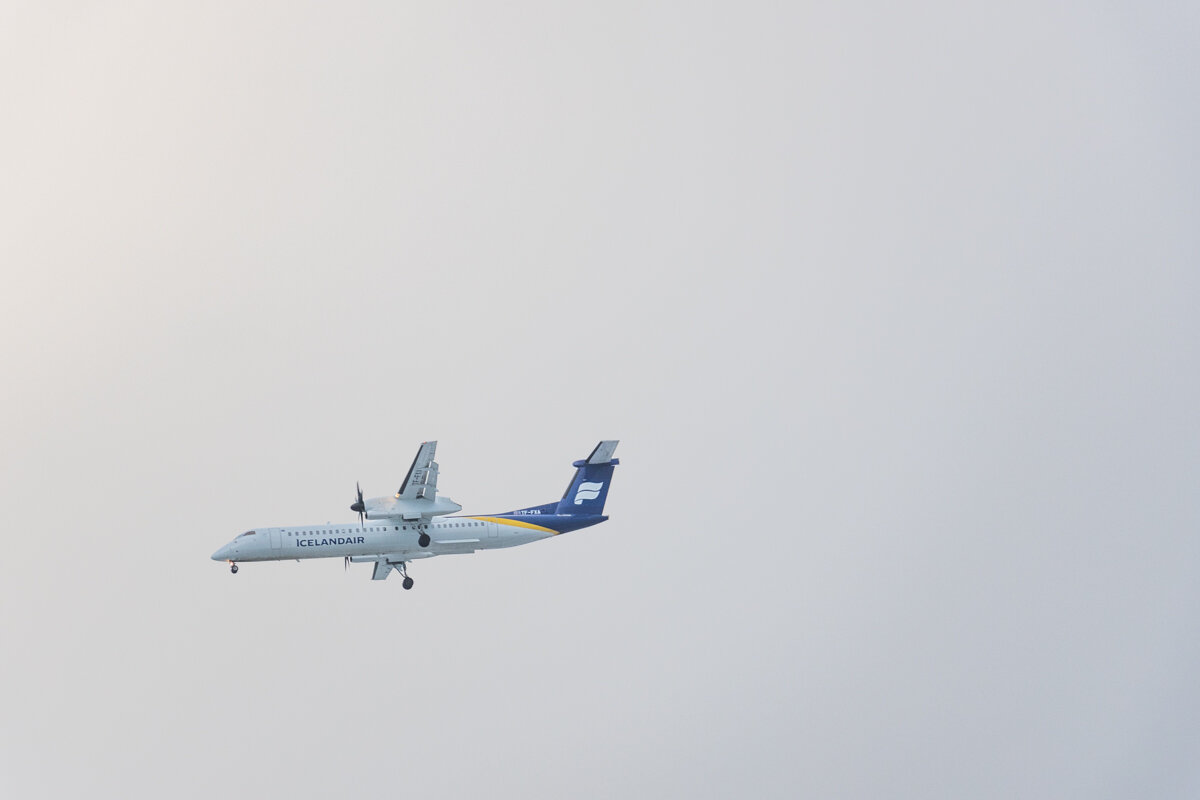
(402, 568)
(423, 539)
(233, 568)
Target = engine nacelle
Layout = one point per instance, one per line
(392, 507)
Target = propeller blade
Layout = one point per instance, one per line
(359, 506)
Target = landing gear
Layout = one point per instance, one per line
(233, 568)
(402, 568)
(423, 539)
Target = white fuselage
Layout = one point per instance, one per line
(393, 538)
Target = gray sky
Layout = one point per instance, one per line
(894, 310)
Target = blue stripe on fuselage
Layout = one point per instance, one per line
(559, 523)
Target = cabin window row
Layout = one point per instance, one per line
(394, 527)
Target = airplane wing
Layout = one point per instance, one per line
(421, 482)
(417, 498)
(383, 565)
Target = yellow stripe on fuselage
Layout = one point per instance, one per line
(516, 523)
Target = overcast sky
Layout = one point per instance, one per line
(893, 308)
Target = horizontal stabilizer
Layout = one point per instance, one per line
(603, 452)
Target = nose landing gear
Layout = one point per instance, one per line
(233, 567)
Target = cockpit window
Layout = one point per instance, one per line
(247, 533)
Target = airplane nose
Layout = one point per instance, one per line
(221, 554)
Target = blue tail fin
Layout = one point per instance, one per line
(589, 488)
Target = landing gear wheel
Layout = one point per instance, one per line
(423, 540)
(233, 568)
(407, 583)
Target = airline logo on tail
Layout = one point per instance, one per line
(587, 491)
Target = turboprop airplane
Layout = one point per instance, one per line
(415, 523)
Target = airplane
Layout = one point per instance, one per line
(416, 523)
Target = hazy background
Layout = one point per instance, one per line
(893, 308)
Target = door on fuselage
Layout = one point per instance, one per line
(276, 543)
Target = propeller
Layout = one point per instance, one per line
(359, 505)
